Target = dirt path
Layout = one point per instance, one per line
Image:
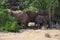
(32, 35)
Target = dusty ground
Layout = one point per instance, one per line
(32, 35)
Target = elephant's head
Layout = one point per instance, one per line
(15, 13)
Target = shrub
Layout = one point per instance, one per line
(7, 22)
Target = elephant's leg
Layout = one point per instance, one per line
(24, 26)
(57, 26)
(50, 25)
(20, 25)
(40, 26)
(43, 26)
(37, 25)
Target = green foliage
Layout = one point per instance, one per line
(31, 8)
(0, 2)
(7, 22)
(44, 4)
(37, 4)
(3, 3)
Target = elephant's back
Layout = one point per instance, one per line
(32, 15)
(40, 19)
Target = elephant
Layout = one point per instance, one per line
(40, 20)
(34, 16)
(49, 20)
(20, 16)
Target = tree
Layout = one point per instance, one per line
(52, 5)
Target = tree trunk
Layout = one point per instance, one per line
(59, 4)
(50, 22)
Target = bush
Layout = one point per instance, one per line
(7, 22)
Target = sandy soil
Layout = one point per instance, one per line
(32, 35)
